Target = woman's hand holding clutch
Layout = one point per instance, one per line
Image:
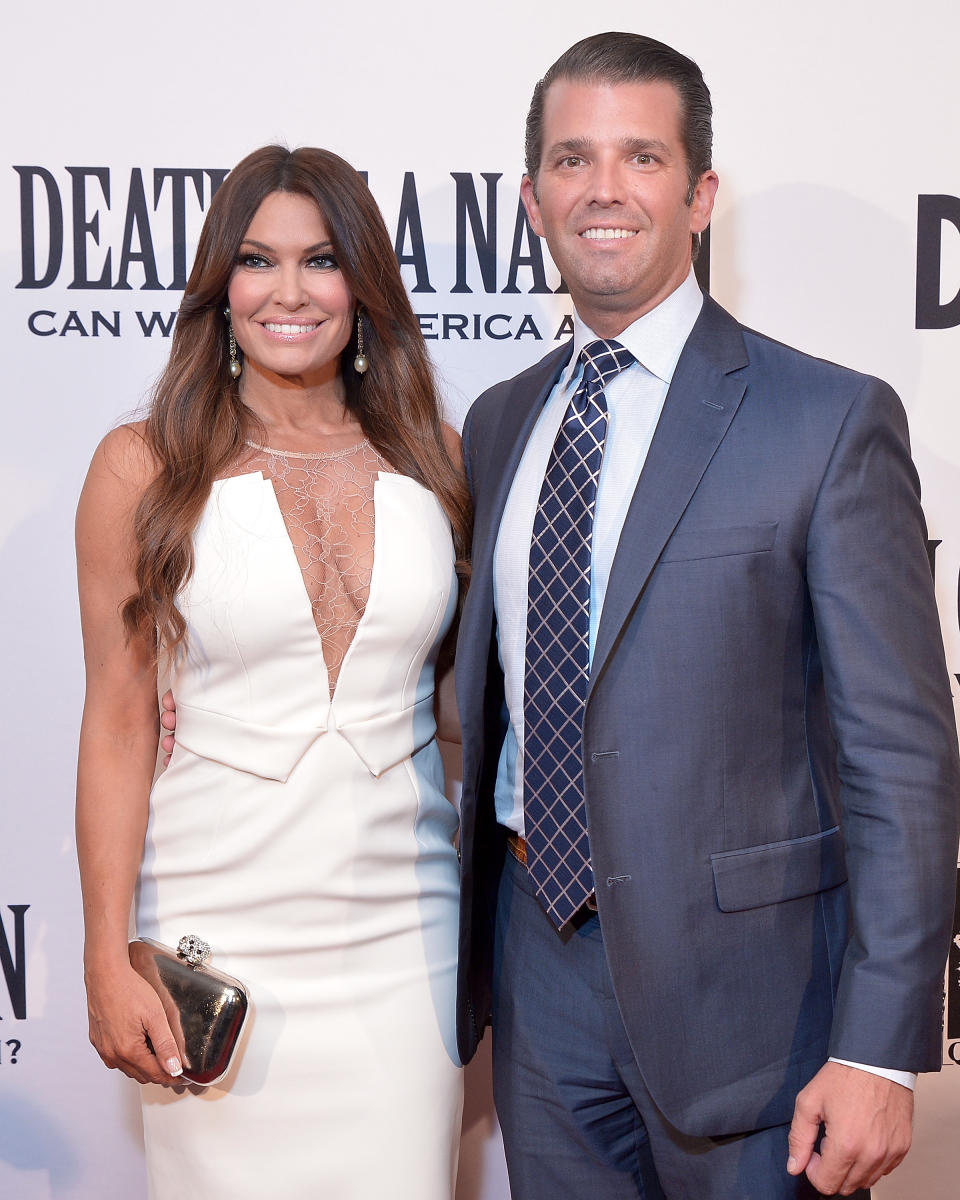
(128, 1027)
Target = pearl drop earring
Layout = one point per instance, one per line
(361, 362)
(236, 366)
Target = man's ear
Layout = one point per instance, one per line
(701, 207)
(529, 198)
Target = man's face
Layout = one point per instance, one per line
(611, 197)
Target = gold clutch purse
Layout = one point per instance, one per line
(205, 1008)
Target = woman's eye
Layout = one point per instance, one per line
(325, 262)
(253, 260)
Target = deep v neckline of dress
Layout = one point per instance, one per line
(317, 531)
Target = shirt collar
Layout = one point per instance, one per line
(656, 339)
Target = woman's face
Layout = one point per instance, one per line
(291, 309)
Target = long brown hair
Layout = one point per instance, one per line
(197, 424)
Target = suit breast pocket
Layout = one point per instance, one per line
(690, 544)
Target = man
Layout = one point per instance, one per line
(709, 818)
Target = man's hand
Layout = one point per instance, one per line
(168, 721)
(868, 1127)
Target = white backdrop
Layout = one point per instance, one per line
(832, 119)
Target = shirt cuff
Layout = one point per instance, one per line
(906, 1079)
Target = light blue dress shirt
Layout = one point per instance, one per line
(634, 402)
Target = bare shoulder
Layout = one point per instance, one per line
(121, 469)
(451, 443)
(107, 553)
(123, 464)
(125, 453)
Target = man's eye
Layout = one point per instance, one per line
(572, 160)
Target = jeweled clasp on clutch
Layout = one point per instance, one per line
(193, 950)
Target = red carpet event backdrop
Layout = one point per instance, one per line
(837, 230)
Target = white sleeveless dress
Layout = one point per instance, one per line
(302, 830)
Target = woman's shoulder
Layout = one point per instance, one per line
(125, 454)
(122, 468)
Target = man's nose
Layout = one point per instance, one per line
(607, 183)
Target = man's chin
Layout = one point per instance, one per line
(607, 293)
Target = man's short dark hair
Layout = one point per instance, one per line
(611, 58)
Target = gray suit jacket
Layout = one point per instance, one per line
(769, 743)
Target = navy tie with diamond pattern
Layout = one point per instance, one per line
(558, 644)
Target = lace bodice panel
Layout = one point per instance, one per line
(328, 508)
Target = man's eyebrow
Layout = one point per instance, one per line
(645, 145)
(576, 145)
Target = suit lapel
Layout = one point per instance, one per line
(518, 418)
(702, 401)
(521, 406)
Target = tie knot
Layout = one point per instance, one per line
(603, 359)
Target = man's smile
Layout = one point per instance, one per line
(598, 233)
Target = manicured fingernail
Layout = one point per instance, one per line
(174, 1067)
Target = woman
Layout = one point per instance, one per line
(277, 534)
